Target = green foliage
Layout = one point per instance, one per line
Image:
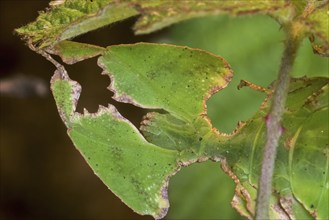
(73, 52)
(72, 18)
(188, 135)
(124, 143)
(76, 17)
(143, 64)
(176, 83)
(299, 144)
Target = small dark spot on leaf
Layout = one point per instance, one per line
(155, 164)
(200, 138)
(96, 164)
(312, 206)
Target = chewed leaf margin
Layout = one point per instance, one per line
(197, 76)
(72, 52)
(136, 170)
(141, 185)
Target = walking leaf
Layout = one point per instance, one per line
(134, 169)
(138, 170)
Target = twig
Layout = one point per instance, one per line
(274, 128)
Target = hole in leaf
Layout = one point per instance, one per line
(93, 84)
(88, 73)
(94, 92)
(251, 59)
(133, 113)
(230, 105)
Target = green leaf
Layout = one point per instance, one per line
(181, 88)
(150, 76)
(168, 132)
(73, 52)
(301, 174)
(135, 170)
(73, 18)
(295, 194)
(66, 94)
(138, 171)
(301, 90)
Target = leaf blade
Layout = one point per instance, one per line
(72, 52)
(201, 75)
(135, 170)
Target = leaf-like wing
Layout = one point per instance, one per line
(72, 52)
(176, 79)
(136, 170)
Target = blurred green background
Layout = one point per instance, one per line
(44, 177)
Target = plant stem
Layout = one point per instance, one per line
(274, 128)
